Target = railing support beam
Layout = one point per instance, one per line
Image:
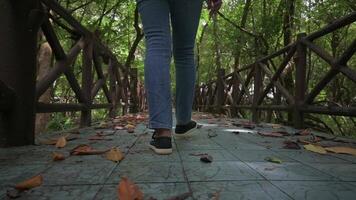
(20, 21)
(300, 82)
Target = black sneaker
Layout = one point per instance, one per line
(186, 130)
(161, 145)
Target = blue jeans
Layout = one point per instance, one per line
(156, 16)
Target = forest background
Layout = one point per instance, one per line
(243, 31)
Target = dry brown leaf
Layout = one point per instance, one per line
(84, 149)
(61, 142)
(127, 190)
(57, 156)
(115, 155)
(343, 150)
(271, 134)
(315, 148)
(291, 145)
(30, 183)
(304, 132)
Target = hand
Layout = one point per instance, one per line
(214, 6)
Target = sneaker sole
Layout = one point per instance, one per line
(161, 151)
(186, 134)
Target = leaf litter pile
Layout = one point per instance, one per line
(303, 138)
(126, 190)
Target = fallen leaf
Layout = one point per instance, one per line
(284, 133)
(127, 190)
(57, 156)
(30, 183)
(303, 141)
(315, 148)
(216, 195)
(61, 142)
(119, 128)
(304, 132)
(212, 134)
(102, 125)
(342, 150)
(206, 158)
(276, 126)
(115, 155)
(291, 145)
(273, 160)
(84, 149)
(270, 168)
(270, 134)
(198, 154)
(130, 126)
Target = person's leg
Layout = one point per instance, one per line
(185, 16)
(155, 20)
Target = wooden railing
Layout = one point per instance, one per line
(119, 83)
(231, 93)
(95, 55)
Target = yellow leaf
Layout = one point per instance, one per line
(61, 142)
(115, 155)
(128, 190)
(30, 183)
(314, 148)
(344, 150)
(57, 156)
(130, 126)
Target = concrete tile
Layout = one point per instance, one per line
(258, 155)
(288, 171)
(219, 171)
(349, 158)
(147, 155)
(148, 172)
(237, 190)
(79, 173)
(218, 155)
(61, 192)
(310, 157)
(188, 144)
(345, 172)
(155, 190)
(316, 190)
(10, 175)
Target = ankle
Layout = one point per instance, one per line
(162, 132)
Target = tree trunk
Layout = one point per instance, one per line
(44, 63)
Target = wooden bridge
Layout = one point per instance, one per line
(253, 92)
(245, 88)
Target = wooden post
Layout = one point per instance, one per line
(20, 21)
(112, 88)
(300, 82)
(257, 89)
(235, 93)
(220, 88)
(87, 81)
(133, 91)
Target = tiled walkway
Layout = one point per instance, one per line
(238, 171)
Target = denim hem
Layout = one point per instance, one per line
(155, 125)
